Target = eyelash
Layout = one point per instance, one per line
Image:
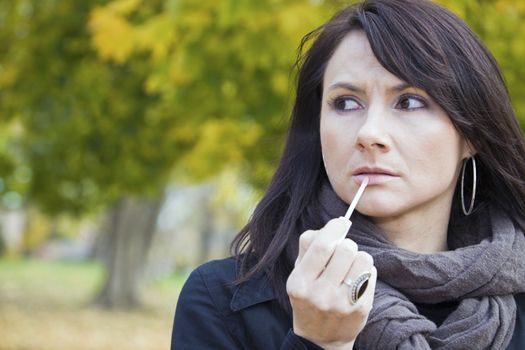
(415, 97)
(335, 101)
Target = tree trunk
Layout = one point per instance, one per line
(206, 232)
(126, 242)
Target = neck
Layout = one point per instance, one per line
(421, 231)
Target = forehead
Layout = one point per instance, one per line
(354, 61)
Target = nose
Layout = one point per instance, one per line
(372, 135)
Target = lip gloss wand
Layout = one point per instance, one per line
(358, 286)
(356, 198)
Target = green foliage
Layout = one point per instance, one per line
(105, 98)
(89, 132)
(501, 26)
(223, 69)
(111, 95)
(3, 247)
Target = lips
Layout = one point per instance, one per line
(373, 171)
(376, 175)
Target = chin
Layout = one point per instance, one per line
(377, 211)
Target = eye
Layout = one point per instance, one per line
(408, 102)
(345, 104)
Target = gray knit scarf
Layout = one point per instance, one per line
(483, 269)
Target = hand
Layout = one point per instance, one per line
(322, 312)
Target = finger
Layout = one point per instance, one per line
(305, 240)
(362, 262)
(340, 263)
(322, 247)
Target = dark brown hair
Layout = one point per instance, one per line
(430, 48)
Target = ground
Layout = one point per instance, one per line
(46, 305)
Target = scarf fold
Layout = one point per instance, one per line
(482, 271)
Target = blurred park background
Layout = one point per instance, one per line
(135, 138)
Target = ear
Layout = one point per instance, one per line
(468, 150)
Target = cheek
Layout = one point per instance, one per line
(328, 134)
(337, 144)
(436, 157)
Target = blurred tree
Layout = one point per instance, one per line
(109, 96)
(219, 72)
(228, 64)
(127, 238)
(501, 25)
(220, 69)
(104, 118)
(86, 131)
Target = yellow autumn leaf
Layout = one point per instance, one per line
(8, 75)
(112, 36)
(156, 35)
(123, 7)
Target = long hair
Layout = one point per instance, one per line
(430, 48)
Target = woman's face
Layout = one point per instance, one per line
(375, 125)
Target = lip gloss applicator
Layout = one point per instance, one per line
(358, 286)
(356, 198)
(353, 204)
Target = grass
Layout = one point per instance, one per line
(46, 305)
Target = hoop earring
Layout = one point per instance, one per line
(474, 180)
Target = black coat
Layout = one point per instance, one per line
(213, 314)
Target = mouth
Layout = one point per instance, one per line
(375, 175)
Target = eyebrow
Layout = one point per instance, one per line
(351, 87)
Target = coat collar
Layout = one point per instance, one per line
(257, 289)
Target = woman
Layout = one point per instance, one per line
(403, 93)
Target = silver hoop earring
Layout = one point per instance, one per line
(474, 180)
